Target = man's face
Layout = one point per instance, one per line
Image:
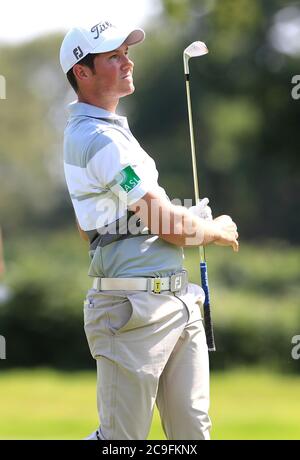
(112, 77)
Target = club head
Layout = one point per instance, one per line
(195, 49)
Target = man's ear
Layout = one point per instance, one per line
(81, 72)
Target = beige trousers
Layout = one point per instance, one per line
(150, 348)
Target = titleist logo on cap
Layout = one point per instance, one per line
(101, 27)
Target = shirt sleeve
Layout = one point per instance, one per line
(122, 167)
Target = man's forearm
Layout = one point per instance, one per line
(175, 224)
(188, 230)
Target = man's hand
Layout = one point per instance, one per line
(202, 210)
(227, 234)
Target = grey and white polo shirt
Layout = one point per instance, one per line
(106, 171)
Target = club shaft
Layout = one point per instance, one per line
(192, 138)
(193, 150)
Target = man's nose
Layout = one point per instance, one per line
(127, 62)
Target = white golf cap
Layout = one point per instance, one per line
(100, 38)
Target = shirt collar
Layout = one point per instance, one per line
(82, 109)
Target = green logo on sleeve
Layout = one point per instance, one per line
(127, 179)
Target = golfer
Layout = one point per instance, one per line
(142, 317)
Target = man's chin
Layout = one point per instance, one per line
(130, 91)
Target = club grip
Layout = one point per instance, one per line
(207, 314)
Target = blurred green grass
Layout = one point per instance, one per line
(245, 404)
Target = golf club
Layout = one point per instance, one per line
(197, 49)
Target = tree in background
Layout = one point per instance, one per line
(245, 118)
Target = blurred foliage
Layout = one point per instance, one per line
(245, 120)
(246, 130)
(244, 117)
(255, 304)
(43, 318)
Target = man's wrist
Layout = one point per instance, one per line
(211, 232)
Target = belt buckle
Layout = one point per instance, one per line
(178, 281)
(157, 285)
